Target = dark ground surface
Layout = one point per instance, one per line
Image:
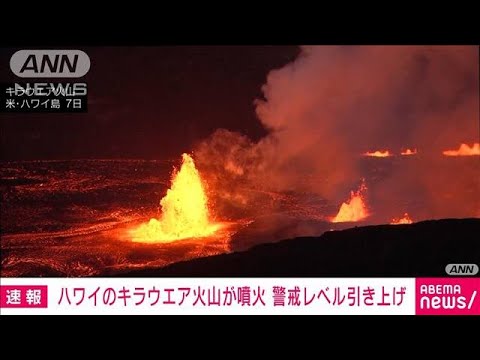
(418, 250)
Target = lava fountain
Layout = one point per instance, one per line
(185, 212)
(378, 153)
(353, 209)
(409, 152)
(464, 150)
(404, 220)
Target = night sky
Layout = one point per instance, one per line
(147, 102)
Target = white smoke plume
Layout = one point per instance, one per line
(335, 102)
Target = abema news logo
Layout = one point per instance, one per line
(447, 296)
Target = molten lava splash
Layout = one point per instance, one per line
(354, 209)
(464, 150)
(408, 152)
(404, 220)
(185, 212)
(378, 153)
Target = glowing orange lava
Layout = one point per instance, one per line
(185, 212)
(404, 220)
(378, 153)
(355, 208)
(408, 152)
(464, 150)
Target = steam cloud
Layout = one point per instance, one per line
(336, 102)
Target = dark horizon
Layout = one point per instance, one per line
(158, 102)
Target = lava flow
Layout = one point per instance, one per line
(409, 152)
(378, 153)
(354, 209)
(185, 212)
(464, 150)
(404, 220)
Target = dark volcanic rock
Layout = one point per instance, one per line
(420, 249)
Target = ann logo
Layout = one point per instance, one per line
(461, 269)
(50, 63)
(59, 64)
